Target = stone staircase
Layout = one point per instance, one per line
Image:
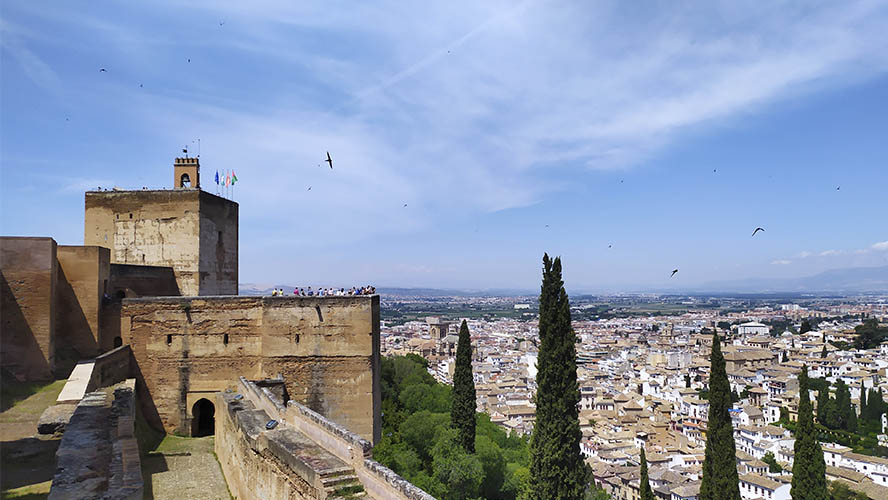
(342, 484)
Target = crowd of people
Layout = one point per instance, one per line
(326, 292)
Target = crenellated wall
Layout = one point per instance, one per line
(326, 349)
(304, 456)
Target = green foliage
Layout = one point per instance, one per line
(745, 393)
(556, 465)
(645, 485)
(784, 415)
(687, 380)
(870, 334)
(806, 327)
(838, 413)
(462, 412)
(808, 468)
(773, 466)
(785, 358)
(840, 491)
(419, 444)
(720, 479)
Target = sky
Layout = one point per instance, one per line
(630, 138)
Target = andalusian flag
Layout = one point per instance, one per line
(233, 177)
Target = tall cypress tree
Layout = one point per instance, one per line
(823, 352)
(646, 492)
(808, 467)
(462, 410)
(556, 465)
(720, 479)
(863, 408)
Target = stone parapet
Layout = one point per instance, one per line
(328, 443)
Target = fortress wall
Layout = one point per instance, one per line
(28, 278)
(143, 281)
(154, 228)
(378, 481)
(326, 348)
(83, 278)
(219, 245)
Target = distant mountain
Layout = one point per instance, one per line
(854, 279)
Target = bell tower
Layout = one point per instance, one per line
(186, 173)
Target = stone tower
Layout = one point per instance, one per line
(186, 173)
(189, 230)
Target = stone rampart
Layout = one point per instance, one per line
(28, 277)
(350, 452)
(81, 285)
(325, 348)
(98, 457)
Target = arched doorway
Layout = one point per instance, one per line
(203, 422)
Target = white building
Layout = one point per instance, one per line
(753, 328)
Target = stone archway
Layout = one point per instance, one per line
(203, 421)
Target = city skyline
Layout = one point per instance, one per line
(629, 143)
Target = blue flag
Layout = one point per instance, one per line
(217, 177)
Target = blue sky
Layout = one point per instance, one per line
(490, 120)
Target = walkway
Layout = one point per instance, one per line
(184, 468)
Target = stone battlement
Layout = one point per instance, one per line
(304, 456)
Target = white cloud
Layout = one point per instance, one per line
(880, 246)
(803, 254)
(781, 262)
(827, 253)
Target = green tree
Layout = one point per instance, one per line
(840, 491)
(458, 474)
(823, 352)
(687, 381)
(785, 357)
(826, 409)
(870, 334)
(745, 393)
(720, 479)
(646, 492)
(808, 468)
(773, 466)
(556, 465)
(806, 327)
(843, 406)
(494, 466)
(462, 410)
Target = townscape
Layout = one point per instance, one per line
(643, 381)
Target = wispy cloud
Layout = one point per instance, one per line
(880, 246)
(803, 254)
(827, 253)
(781, 262)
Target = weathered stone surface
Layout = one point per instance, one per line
(191, 231)
(28, 277)
(188, 348)
(83, 275)
(54, 419)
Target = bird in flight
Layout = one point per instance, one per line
(103, 70)
(309, 188)
(609, 246)
(547, 225)
(757, 230)
(189, 59)
(329, 160)
(405, 204)
(838, 188)
(713, 170)
(221, 23)
(673, 272)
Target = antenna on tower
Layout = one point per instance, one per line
(185, 150)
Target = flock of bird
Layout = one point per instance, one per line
(329, 161)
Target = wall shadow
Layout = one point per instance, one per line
(20, 355)
(27, 461)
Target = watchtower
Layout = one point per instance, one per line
(186, 173)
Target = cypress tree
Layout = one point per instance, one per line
(863, 409)
(808, 468)
(843, 405)
(720, 479)
(462, 410)
(557, 471)
(825, 408)
(646, 492)
(823, 352)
